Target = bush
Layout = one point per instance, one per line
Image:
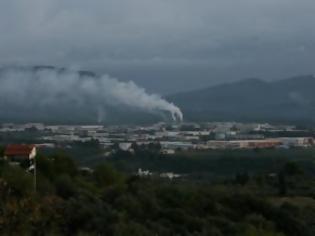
(64, 165)
(65, 187)
(19, 181)
(105, 175)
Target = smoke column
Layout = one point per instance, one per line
(46, 86)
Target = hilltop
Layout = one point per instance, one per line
(290, 100)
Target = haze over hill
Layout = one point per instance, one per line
(288, 100)
(51, 94)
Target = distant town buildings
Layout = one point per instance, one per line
(170, 137)
(166, 139)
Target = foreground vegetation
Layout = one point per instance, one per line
(70, 201)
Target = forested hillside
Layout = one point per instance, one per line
(69, 201)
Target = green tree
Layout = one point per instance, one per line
(292, 168)
(45, 166)
(282, 184)
(65, 186)
(105, 175)
(64, 165)
(242, 178)
(2, 148)
(19, 181)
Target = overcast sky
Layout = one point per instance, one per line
(164, 45)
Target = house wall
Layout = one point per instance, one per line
(33, 153)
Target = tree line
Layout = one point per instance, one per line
(104, 201)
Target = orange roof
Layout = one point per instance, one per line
(18, 150)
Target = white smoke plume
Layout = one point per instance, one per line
(46, 86)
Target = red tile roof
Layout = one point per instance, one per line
(18, 150)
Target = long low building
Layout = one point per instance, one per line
(261, 143)
(177, 145)
(297, 141)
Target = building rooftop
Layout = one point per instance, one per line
(18, 150)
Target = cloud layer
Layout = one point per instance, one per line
(222, 38)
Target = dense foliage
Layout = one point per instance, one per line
(74, 201)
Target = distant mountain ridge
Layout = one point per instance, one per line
(287, 100)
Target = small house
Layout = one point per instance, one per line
(20, 153)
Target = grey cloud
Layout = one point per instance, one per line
(233, 39)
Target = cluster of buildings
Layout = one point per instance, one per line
(169, 137)
(166, 138)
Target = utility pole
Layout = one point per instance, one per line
(35, 180)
